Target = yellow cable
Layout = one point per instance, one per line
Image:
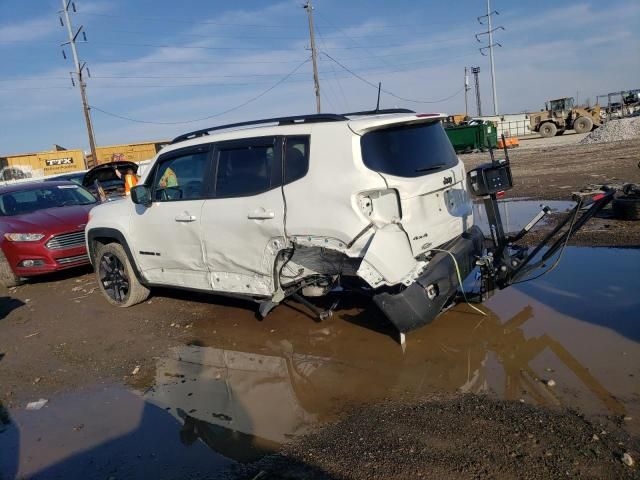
(455, 262)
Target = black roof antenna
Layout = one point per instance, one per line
(378, 104)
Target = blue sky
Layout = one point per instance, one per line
(168, 61)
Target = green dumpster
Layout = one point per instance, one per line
(472, 137)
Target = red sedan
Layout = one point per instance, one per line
(42, 228)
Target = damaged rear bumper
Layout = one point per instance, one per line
(412, 308)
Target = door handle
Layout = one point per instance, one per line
(185, 217)
(261, 214)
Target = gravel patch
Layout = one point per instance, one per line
(468, 437)
(614, 131)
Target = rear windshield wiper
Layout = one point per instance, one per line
(429, 168)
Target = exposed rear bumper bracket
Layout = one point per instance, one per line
(422, 301)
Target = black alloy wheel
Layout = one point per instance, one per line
(114, 277)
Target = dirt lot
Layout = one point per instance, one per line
(212, 383)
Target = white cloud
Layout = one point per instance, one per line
(536, 63)
(27, 30)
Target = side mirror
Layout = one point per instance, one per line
(141, 195)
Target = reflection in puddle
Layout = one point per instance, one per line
(516, 213)
(274, 379)
(243, 387)
(239, 403)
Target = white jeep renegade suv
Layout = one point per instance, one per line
(297, 205)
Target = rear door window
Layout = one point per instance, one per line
(296, 158)
(408, 150)
(245, 168)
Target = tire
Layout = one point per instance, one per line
(583, 125)
(548, 129)
(116, 277)
(626, 207)
(8, 279)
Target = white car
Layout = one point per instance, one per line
(280, 207)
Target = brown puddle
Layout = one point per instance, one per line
(579, 326)
(242, 387)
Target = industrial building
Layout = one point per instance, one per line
(131, 152)
(41, 164)
(59, 160)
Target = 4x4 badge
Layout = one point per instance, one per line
(447, 180)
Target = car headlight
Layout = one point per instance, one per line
(24, 237)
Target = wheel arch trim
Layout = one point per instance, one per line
(117, 236)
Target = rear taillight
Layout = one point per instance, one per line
(381, 206)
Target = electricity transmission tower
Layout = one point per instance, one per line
(79, 72)
(466, 91)
(476, 71)
(490, 46)
(314, 54)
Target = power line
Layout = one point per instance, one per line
(335, 78)
(314, 54)
(80, 68)
(387, 91)
(190, 22)
(249, 62)
(32, 79)
(188, 47)
(203, 62)
(257, 37)
(325, 75)
(237, 107)
(253, 25)
(344, 34)
(492, 44)
(204, 47)
(34, 88)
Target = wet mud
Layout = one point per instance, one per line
(223, 388)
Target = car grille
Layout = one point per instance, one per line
(77, 258)
(66, 240)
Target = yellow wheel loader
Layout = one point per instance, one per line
(561, 115)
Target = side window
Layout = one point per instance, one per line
(296, 158)
(180, 178)
(244, 170)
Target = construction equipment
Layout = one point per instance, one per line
(561, 114)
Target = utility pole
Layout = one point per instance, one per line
(489, 32)
(466, 90)
(314, 55)
(79, 75)
(476, 71)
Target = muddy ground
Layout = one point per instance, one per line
(214, 388)
(554, 172)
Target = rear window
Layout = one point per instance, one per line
(408, 150)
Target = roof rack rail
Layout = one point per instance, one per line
(313, 118)
(379, 112)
